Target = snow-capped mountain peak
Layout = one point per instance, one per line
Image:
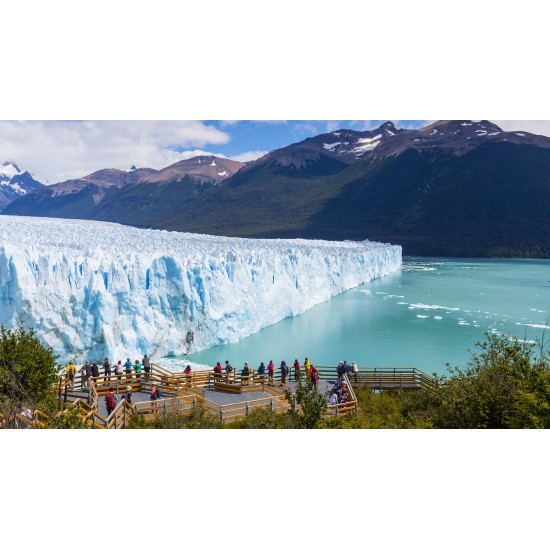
(15, 183)
(9, 168)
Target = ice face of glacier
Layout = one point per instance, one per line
(94, 290)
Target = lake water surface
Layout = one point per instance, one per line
(431, 312)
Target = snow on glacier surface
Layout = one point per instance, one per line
(97, 289)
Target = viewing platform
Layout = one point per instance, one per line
(225, 396)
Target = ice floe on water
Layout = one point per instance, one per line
(426, 306)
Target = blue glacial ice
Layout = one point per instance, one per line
(96, 289)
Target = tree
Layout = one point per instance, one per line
(313, 404)
(505, 385)
(27, 369)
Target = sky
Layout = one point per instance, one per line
(55, 151)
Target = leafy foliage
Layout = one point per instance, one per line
(313, 404)
(27, 368)
(68, 419)
(505, 385)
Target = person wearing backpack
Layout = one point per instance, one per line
(86, 371)
(245, 374)
(107, 368)
(228, 367)
(284, 372)
(71, 372)
(110, 401)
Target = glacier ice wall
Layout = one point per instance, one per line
(94, 289)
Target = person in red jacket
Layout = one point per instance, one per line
(271, 371)
(296, 369)
(314, 376)
(218, 370)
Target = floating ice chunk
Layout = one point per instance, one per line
(425, 306)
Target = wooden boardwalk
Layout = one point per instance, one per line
(227, 397)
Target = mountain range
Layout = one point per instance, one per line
(453, 188)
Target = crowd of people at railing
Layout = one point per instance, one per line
(307, 371)
(118, 371)
(130, 370)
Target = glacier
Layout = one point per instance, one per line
(99, 289)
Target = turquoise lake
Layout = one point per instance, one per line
(431, 312)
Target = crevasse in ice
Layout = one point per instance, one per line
(94, 289)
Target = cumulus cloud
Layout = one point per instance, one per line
(60, 150)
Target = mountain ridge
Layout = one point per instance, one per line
(437, 190)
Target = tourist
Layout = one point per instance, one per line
(128, 367)
(127, 395)
(270, 371)
(155, 396)
(334, 399)
(137, 368)
(118, 368)
(86, 371)
(218, 371)
(339, 369)
(307, 364)
(296, 369)
(284, 372)
(27, 415)
(355, 371)
(245, 374)
(146, 366)
(344, 395)
(110, 401)
(188, 374)
(314, 377)
(228, 367)
(71, 372)
(95, 370)
(107, 369)
(261, 370)
(345, 367)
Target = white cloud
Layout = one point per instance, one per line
(305, 127)
(541, 127)
(249, 155)
(333, 125)
(60, 150)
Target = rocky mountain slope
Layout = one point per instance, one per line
(84, 197)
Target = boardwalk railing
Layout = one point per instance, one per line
(184, 394)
